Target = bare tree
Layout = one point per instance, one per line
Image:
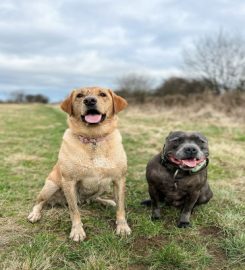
(134, 85)
(218, 59)
(17, 96)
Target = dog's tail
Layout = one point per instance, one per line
(146, 202)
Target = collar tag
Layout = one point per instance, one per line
(176, 173)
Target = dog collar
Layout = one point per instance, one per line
(88, 140)
(200, 166)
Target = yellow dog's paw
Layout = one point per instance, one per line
(34, 216)
(123, 229)
(77, 233)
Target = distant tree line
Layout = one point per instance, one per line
(21, 97)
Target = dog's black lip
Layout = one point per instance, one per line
(93, 111)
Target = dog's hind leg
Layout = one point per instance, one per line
(47, 191)
(105, 201)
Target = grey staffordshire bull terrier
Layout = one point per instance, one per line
(178, 175)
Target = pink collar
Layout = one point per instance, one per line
(87, 140)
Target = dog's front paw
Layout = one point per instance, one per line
(184, 224)
(77, 233)
(34, 216)
(155, 214)
(154, 218)
(123, 229)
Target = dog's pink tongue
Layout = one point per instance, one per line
(93, 118)
(189, 162)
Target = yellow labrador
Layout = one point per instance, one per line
(91, 157)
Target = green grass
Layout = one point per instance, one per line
(30, 136)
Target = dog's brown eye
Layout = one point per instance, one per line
(80, 95)
(102, 94)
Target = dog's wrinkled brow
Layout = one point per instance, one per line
(175, 138)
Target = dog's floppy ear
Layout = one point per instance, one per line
(202, 137)
(66, 105)
(169, 134)
(119, 103)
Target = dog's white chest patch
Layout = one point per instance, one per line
(102, 162)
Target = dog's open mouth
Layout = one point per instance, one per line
(93, 117)
(190, 163)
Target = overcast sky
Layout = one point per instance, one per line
(52, 46)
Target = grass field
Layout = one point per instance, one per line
(30, 136)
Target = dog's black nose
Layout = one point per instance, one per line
(90, 101)
(190, 151)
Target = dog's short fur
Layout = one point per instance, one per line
(178, 174)
(90, 158)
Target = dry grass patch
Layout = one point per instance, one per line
(11, 231)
